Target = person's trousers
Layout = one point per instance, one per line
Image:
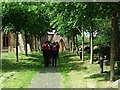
(101, 66)
(54, 61)
(46, 61)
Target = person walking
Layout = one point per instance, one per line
(57, 44)
(101, 57)
(46, 50)
(54, 54)
(50, 52)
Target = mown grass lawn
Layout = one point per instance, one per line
(76, 73)
(19, 74)
(81, 74)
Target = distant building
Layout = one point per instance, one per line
(9, 42)
(52, 36)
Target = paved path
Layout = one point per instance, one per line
(48, 77)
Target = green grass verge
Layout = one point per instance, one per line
(81, 74)
(19, 74)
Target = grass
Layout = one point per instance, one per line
(76, 73)
(79, 74)
(19, 74)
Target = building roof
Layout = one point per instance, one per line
(50, 32)
(53, 32)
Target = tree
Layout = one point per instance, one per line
(107, 8)
(12, 12)
(29, 14)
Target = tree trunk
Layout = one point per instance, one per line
(91, 42)
(35, 45)
(0, 44)
(117, 53)
(68, 43)
(82, 44)
(113, 45)
(31, 43)
(77, 49)
(73, 44)
(17, 46)
(26, 43)
(112, 73)
(40, 45)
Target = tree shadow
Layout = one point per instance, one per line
(105, 76)
(28, 63)
(32, 60)
(68, 64)
(34, 56)
(66, 56)
(50, 69)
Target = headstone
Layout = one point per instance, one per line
(28, 48)
(117, 82)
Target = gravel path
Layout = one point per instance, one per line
(48, 77)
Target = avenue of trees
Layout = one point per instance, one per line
(70, 19)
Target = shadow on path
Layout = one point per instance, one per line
(47, 77)
(49, 69)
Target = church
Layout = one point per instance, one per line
(9, 42)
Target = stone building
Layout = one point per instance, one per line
(57, 38)
(9, 42)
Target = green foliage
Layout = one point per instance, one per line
(86, 40)
(25, 16)
(71, 16)
(12, 12)
(103, 34)
(66, 17)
